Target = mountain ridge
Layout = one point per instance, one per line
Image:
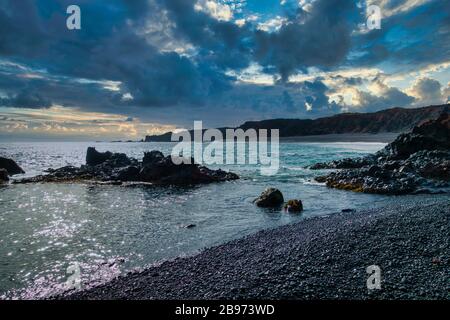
(393, 120)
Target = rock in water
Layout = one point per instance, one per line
(152, 157)
(11, 166)
(3, 175)
(270, 198)
(115, 168)
(93, 157)
(293, 206)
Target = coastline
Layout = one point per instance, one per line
(318, 258)
(344, 137)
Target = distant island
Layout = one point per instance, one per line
(393, 120)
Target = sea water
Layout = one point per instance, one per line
(109, 230)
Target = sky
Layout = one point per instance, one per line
(141, 67)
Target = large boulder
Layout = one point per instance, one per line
(269, 198)
(94, 158)
(11, 166)
(293, 206)
(3, 175)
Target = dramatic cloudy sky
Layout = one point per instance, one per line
(139, 67)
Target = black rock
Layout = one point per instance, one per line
(416, 162)
(130, 173)
(115, 168)
(431, 135)
(93, 157)
(293, 206)
(11, 166)
(347, 163)
(152, 157)
(3, 175)
(119, 160)
(269, 198)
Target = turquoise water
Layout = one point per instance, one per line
(109, 230)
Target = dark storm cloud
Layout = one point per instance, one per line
(112, 46)
(413, 38)
(108, 47)
(320, 38)
(351, 81)
(316, 97)
(26, 99)
(303, 99)
(115, 44)
(39, 92)
(222, 43)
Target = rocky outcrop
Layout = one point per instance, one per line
(416, 162)
(3, 176)
(346, 163)
(11, 166)
(293, 206)
(116, 168)
(94, 158)
(269, 198)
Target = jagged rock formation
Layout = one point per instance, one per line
(416, 162)
(116, 168)
(10, 166)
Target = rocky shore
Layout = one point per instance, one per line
(8, 167)
(319, 258)
(118, 168)
(415, 162)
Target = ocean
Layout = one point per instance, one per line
(111, 230)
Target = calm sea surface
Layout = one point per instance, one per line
(109, 230)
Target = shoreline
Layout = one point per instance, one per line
(344, 137)
(318, 258)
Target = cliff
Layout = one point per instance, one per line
(390, 120)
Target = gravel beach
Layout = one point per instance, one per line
(318, 258)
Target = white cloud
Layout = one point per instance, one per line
(220, 11)
(428, 91)
(272, 25)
